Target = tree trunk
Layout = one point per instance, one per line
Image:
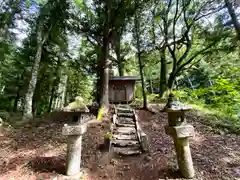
(15, 105)
(163, 73)
(61, 91)
(105, 76)
(104, 101)
(99, 76)
(27, 113)
(37, 94)
(233, 17)
(118, 53)
(136, 24)
(150, 83)
(51, 99)
(171, 81)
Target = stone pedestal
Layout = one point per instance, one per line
(180, 135)
(74, 147)
(180, 131)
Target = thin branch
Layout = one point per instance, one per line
(174, 24)
(208, 14)
(201, 52)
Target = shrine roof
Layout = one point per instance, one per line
(124, 78)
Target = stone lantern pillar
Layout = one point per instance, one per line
(74, 132)
(180, 131)
(74, 147)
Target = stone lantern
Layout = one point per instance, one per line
(74, 132)
(180, 131)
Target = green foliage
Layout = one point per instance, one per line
(222, 100)
(108, 135)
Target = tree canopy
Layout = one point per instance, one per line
(54, 50)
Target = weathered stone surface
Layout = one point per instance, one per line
(123, 110)
(180, 131)
(176, 118)
(126, 106)
(125, 130)
(122, 136)
(125, 115)
(124, 125)
(124, 143)
(77, 105)
(114, 118)
(69, 130)
(144, 142)
(74, 148)
(136, 117)
(125, 119)
(142, 138)
(184, 158)
(127, 151)
(175, 106)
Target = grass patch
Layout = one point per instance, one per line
(217, 118)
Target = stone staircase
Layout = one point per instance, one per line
(126, 139)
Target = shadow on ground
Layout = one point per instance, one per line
(55, 164)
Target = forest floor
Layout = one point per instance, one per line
(38, 153)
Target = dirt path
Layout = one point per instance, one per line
(37, 153)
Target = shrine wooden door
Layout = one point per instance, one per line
(120, 93)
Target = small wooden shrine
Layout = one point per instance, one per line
(121, 89)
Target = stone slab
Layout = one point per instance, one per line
(124, 121)
(126, 106)
(125, 115)
(142, 138)
(125, 130)
(125, 143)
(123, 136)
(124, 125)
(180, 131)
(127, 151)
(69, 130)
(123, 110)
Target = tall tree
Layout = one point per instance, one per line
(137, 35)
(50, 15)
(233, 16)
(180, 28)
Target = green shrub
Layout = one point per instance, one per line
(222, 100)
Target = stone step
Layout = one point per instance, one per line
(122, 110)
(124, 125)
(123, 136)
(125, 143)
(125, 106)
(125, 115)
(127, 151)
(125, 120)
(125, 130)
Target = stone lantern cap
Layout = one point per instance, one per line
(76, 106)
(175, 106)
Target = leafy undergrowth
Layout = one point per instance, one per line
(38, 152)
(217, 119)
